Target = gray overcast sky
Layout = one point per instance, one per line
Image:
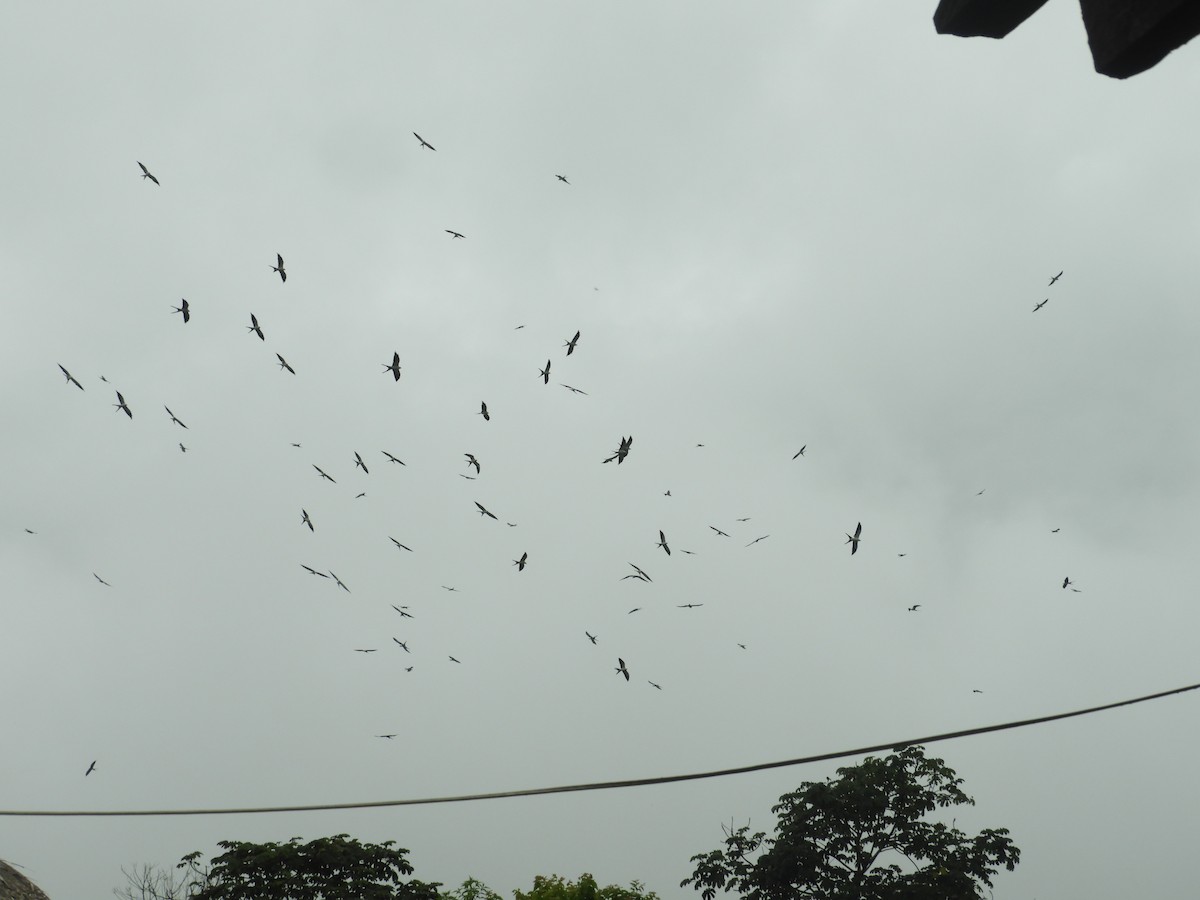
(787, 224)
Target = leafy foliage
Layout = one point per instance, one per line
(333, 868)
(472, 889)
(861, 836)
(555, 888)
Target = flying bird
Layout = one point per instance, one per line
(800, 452)
(447, 587)
(622, 669)
(453, 660)
(323, 473)
(484, 412)
(358, 461)
(914, 607)
(544, 374)
(591, 637)
(662, 542)
(483, 511)
(253, 326)
(392, 458)
(184, 309)
(636, 608)
(394, 368)
(640, 574)
(719, 531)
(853, 540)
(403, 614)
(283, 364)
(101, 580)
(1055, 530)
(653, 685)
(146, 174)
(403, 645)
(387, 736)
(339, 582)
(468, 477)
(30, 531)
(980, 493)
(121, 405)
(757, 539)
(745, 519)
(306, 521)
(570, 345)
(562, 178)
(1067, 581)
(622, 451)
(1040, 305)
(400, 545)
(472, 461)
(312, 571)
(279, 268)
(92, 767)
(687, 605)
(70, 377)
(173, 417)
(574, 390)
(520, 563)
(1055, 278)
(424, 143)
(356, 650)
(454, 234)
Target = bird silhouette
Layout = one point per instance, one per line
(323, 473)
(403, 645)
(279, 268)
(472, 461)
(400, 545)
(1066, 582)
(483, 511)
(1056, 277)
(358, 461)
(757, 539)
(653, 685)
(312, 571)
(520, 563)
(339, 582)
(562, 178)
(853, 540)
(403, 614)
(253, 326)
(640, 574)
(622, 669)
(662, 542)
(914, 607)
(591, 637)
(800, 452)
(719, 531)
(70, 377)
(392, 458)
(121, 405)
(173, 417)
(184, 309)
(146, 174)
(688, 605)
(394, 368)
(622, 451)
(101, 580)
(483, 411)
(92, 767)
(570, 345)
(306, 521)
(454, 235)
(574, 390)
(283, 364)
(1040, 305)
(544, 374)
(424, 143)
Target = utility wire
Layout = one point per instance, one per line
(606, 785)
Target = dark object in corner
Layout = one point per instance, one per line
(1126, 36)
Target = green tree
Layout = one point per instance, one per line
(861, 836)
(332, 868)
(472, 889)
(556, 888)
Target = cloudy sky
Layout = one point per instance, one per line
(807, 224)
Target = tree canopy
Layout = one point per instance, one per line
(555, 887)
(862, 836)
(332, 868)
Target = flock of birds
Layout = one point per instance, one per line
(619, 455)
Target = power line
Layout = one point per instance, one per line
(607, 785)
